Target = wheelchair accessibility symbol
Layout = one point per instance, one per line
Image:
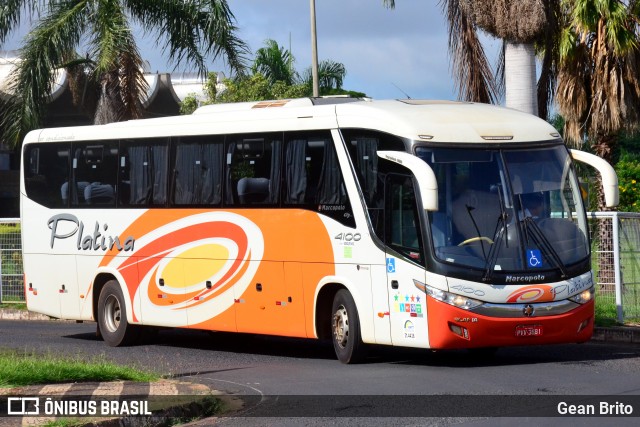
(534, 258)
(391, 265)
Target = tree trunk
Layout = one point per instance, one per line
(520, 77)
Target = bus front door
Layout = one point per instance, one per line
(404, 263)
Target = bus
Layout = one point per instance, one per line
(428, 224)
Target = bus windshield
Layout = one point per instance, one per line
(507, 210)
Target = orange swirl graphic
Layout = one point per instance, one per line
(208, 247)
(538, 293)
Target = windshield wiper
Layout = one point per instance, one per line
(531, 228)
(475, 225)
(495, 248)
(497, 239)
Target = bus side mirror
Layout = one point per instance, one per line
(608, 174)
(427, 183)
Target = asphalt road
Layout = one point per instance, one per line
(301, 377)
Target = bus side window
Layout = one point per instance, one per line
(403, 227)
(93, 174)
(253, 169)
(144, 165)
(362, 146)
(313, 176)
(46, 171)
(311, 171)
(197, 170)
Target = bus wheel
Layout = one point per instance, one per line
(112, 316)
(345, 327)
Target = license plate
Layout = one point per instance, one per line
(528, 331)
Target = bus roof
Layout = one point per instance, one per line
(426, 120)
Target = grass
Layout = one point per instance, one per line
(606, 313)
(21, 369)
(14, 305)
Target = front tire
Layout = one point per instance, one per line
(345, 329)
(112, 316)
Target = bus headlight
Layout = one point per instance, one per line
(584, 296)
(455, 300)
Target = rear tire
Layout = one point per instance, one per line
(345, 329)
(112, 316)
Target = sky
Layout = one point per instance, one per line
(387, 53)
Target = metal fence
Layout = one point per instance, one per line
(11, 286)
(615, 238)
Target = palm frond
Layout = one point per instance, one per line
(12, 11)
(391, 4)
(274, 62)
(189, 28)
(472, 74)
(331, 74)
(600, 51)
(118, 64)
(49, 45)
(549, 47)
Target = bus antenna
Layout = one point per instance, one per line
(405, 93)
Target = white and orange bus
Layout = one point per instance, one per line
(428, 224)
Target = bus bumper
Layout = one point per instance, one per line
(452, 328)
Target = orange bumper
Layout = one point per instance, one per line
(451, 328)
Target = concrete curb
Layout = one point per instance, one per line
(622, 334)
(15, 314)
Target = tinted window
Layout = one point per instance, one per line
(46, 173)
(253, 169)
(362, 146)
(313, 176)
(93, 174)
(143, 168)
(197, 170)
(403, 227)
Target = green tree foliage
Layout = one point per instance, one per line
(272, 78)
(628, 171)
(629, 182)
(275, 63)
(190, 31)
(598, 83)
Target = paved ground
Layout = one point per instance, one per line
(180, 394)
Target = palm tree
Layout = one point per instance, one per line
(275, 63)
(331, 75)
(599, 80)
(522, 25)
(190, 30)
(599, 86)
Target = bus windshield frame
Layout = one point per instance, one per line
(506, 214)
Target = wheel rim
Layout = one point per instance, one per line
(341, 326)
(112, 313)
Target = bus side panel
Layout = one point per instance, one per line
(259, 309)
(42, 283)
(301, 240)
(295, 302)
(50, 272)
(87, 266)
